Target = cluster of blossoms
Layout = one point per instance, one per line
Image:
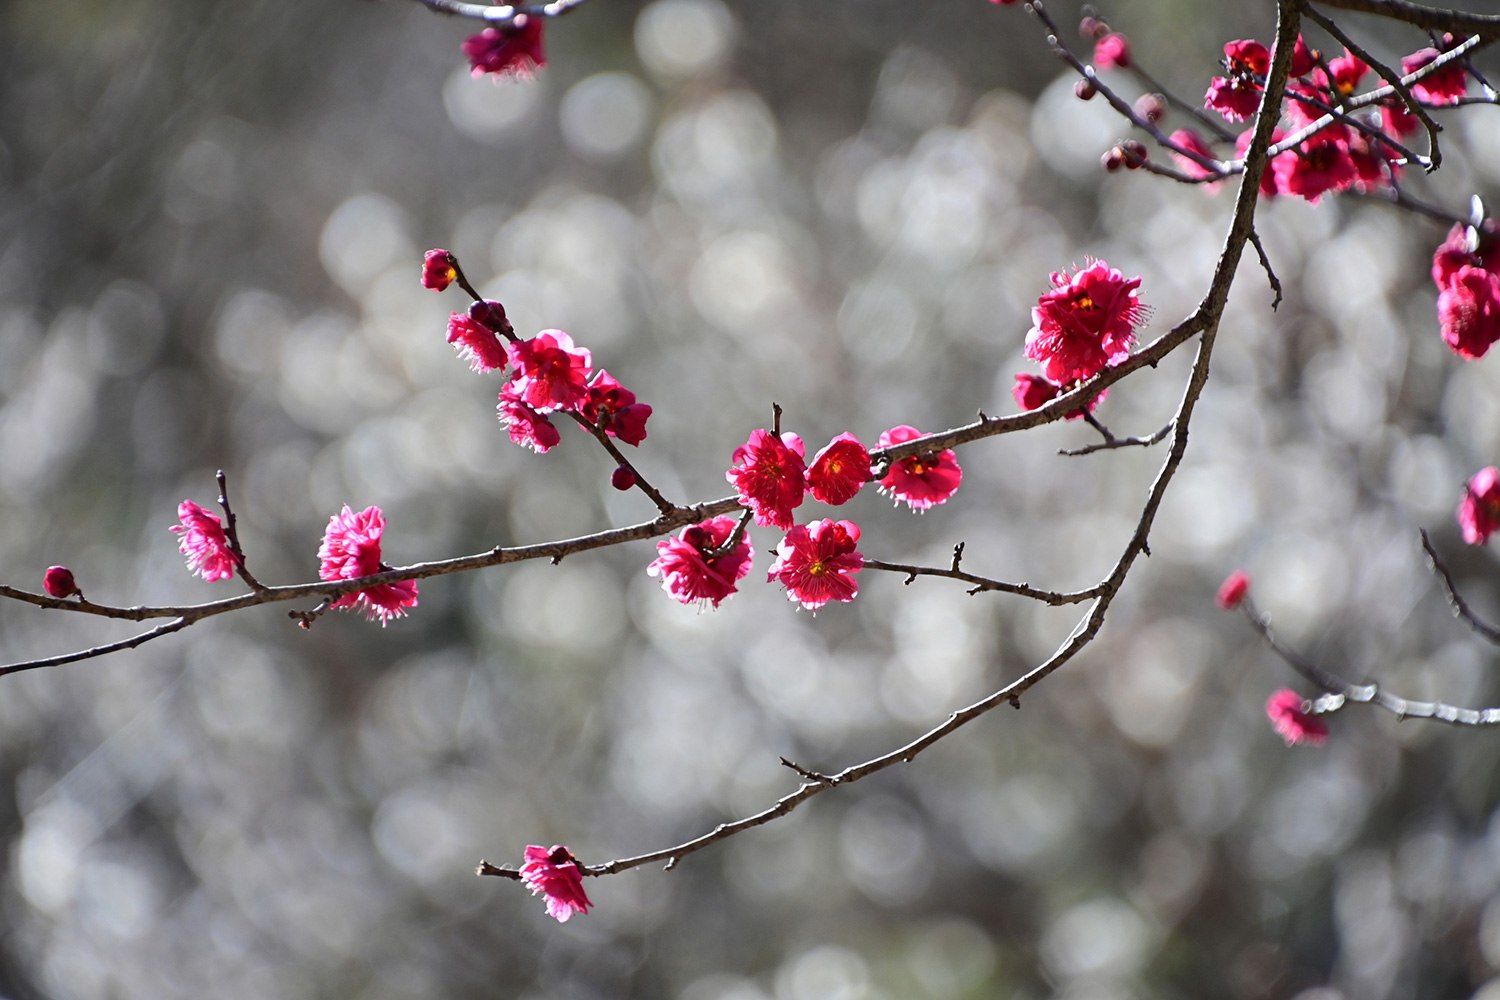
(350, 550)
(557, 875)
(1084, 324)
(1342, 153)
(817, 561)
(1466, 270)
(550, 373)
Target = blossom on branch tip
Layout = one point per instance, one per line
(556, 874)
(816, 563)
(350, 550)
(1288, 712)
(1479, 514)
(527, 427)
(58, 582)
(476, 343)
(611, 406)
(439, 269)
(923, 480)
(203, 541)
(551, 373)
(770, 476)
(839, 471)
(1112, 51)
(1233, 590)
(513, 49)
(692, 569)
(1084, 323)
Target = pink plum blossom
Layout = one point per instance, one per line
(770, 476)
(839, 471)
(527, 427)
(476, 344)
(1445, 86)
(1479, 514)
(690, 575)
(514, 49)
(1084, 323)
(817, 562)
(551, 373)
(611, 406)
(350, 550)
(1233, 590)
(1288, 712)
(1469, 311)
(557, 875)
(1317, 166)
(1033, 391)
(923, 480)
(203, 541)
(1112, 51)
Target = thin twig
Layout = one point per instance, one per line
(1366, 694)
(1456, 600)
(1113, 442)
(1390, 76)
(1265, 263)
(982, 584)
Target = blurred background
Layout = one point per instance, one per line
(211, 225)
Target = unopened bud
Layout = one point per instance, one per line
(623, 478)
(1113, 159)
(1091, 28)
(439, 269)
(1133, 152)
(1084, 90)
(489, 313)
(1151, 107)
(58, 582)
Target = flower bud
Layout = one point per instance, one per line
(491, 314)
(1134, 153)
(1113, 159)
(1151, 107)
(1084, 90)
(623, 478)
(439, 268)
(58, 582)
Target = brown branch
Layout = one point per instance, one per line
(1391, 77)
(1456, 600)
(1367, 694)
(1207, 315)
(982, 583)
(499, 14)
(1486, 26)
(1111, 442)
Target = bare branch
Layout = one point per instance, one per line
(1367, 694)
(1456, 600)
